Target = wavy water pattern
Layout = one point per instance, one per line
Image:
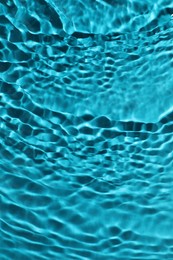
(86, 123)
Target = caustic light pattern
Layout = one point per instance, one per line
(86, 123)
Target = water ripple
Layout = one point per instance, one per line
(86, 122)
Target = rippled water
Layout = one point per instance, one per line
(86, 122)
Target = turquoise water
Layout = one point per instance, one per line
(86, 123)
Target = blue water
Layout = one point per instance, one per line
(86, 123)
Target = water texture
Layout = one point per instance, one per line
(86, 123)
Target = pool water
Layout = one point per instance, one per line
(86, 129)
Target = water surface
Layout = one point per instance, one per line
(86, 122)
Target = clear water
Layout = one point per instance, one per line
(86, 122)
